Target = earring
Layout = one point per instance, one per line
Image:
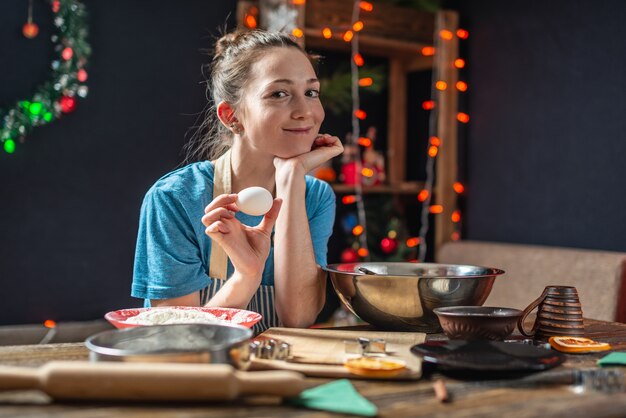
(236, 128)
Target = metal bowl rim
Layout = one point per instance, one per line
(123, 352)
(490, 271)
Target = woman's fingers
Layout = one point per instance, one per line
(267, 223)
(324, 148)
(217, 214)
(224, 200)
(216, 228)
(325, 139)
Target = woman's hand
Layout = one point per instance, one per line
(324, 148)
(247, 247)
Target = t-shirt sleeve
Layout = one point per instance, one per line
(168, 261)
(322, 221)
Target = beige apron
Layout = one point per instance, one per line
(263, 300)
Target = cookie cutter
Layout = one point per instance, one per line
(365, 346)
(270, 349)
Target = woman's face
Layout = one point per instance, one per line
(280, 111)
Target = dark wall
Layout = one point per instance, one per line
(543, 161)
(546, 144)
(70, 196)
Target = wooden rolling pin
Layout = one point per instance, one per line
(149, 381)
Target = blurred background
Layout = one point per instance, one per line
(541, 159)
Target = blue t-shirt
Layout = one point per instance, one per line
(173, 251)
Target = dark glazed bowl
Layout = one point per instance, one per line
(477, 322)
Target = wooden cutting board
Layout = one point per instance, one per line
(321, 352)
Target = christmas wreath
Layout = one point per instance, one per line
(59, 94)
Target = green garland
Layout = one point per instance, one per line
(58, 95)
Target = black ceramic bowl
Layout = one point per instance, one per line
(477, 322)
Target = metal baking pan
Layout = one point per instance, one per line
(179, 343)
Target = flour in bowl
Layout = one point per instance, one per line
(166, 316)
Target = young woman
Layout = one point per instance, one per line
(194, 246)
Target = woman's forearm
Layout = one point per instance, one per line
(236, 292)
(299, 282)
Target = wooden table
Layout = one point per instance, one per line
(394, 399)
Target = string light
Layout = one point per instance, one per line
(462, 33)
(455, 236)
(446, 34)
(348, 199)
(81, 75)
(428, 104)
(35, 108)
(366, 6)
(67, 104)
(428, 51)
(367, 172)
(357, 230)
(360, 114)
(298, 2)
(327, 33)
(425, 195)
(365, 141)
(358, 26)
(67, 53)
(297, 32)
(49, 323)
(366, 81)
(9, 146)
(462, 117)
(412, 242)
(436, 209)
(348, 35)
(250, 22)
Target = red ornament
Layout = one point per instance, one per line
(348, 171)
(388, 245)
(67, 53)
(68, 104)
(349, 255)
(56, 6)
(30, 30)
(81, 75)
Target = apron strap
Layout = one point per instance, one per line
(218, 262)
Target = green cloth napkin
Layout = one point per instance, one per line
(337, 396)
(616, 358)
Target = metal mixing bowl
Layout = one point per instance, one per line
(402, 296)
(176, 343)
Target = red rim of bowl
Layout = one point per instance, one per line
(118, 318)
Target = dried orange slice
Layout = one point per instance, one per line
(374, 366)
(577, 344)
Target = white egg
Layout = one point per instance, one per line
(255, 201)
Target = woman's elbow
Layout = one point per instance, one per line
(291, 322)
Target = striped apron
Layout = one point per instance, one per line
(263, 300)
